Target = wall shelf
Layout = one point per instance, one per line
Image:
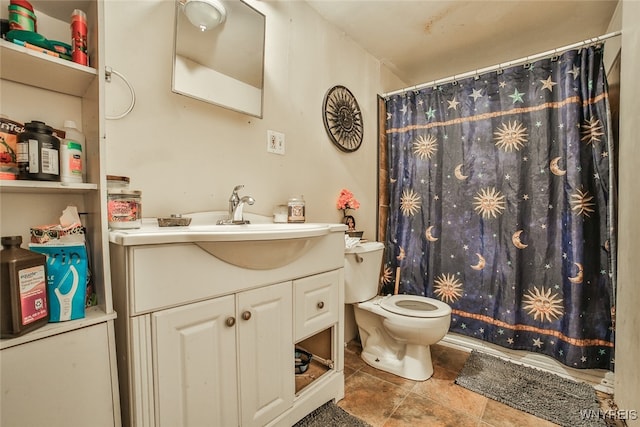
(33, 68)
(20, 186)
(47, 367)
(93, 315)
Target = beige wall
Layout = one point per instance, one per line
(186, 155)
(627, 380)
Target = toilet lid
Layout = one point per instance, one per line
(415, 306)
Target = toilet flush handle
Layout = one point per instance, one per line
(359, 259)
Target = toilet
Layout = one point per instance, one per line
(395, 330)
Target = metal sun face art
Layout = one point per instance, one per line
(342, 119)
(540, 304)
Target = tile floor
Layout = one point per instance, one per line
(383, 399)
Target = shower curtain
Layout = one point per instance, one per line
(501, 201)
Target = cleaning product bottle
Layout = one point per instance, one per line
(79, 37)
(23, 291)
(72, 154)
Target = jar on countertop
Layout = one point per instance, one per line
(124, 208)
(296, 209)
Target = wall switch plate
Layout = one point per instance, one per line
(275, 142)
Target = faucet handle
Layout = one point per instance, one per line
(234, 194)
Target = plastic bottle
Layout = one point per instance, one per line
(38, 153)
(72, 154)
(23, 292)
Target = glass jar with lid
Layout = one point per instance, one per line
(296, 209)
(124, 208)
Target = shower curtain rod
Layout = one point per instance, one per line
(524, 60)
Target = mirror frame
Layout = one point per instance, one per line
(194, 80)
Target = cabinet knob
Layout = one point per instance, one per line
(230, 321)
(320, 305)
(246, 315)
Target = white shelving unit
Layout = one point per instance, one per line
(68, 369)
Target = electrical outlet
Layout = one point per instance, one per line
(275, 142)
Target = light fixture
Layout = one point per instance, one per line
(204, 14)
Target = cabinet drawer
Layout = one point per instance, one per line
(316, 303)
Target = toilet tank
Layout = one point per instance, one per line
(362, 265)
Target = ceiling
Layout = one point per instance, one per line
(425, 40)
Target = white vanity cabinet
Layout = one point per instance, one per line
(205, 342)
(65, 373)
(208, 351)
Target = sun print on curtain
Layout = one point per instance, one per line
(501, 204)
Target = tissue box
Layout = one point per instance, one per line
(73, 233)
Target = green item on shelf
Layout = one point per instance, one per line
(30, 37)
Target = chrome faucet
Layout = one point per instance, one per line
(236, 207)
(234, 200)
(237, 217)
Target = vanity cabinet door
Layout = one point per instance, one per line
(266, 357)
(195, 357)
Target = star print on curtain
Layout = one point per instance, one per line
(501, 204)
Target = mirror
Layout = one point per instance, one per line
(224, 65)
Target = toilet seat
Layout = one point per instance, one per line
(415, 306)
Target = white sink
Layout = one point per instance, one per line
(258, 245)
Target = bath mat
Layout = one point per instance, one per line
(545, 395)
(332, 415)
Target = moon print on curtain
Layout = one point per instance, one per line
(501, 205)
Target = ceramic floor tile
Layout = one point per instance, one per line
(393, 379)
(448, 358)
(417, 410)
(371, 399)
(348, 371)
(352, 357)
(441, 388)
(383, 399)
(497, 414)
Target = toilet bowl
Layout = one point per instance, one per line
(395, 330)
